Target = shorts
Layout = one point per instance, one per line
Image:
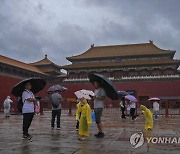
(98, 114)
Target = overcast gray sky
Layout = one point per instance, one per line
(29, 29)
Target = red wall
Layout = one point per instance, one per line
(152, 89)
(6, 84)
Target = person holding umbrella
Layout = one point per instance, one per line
(83, 114)
(56, 100)
(103, 87)
(81, 94)
(123, 107)
(28, 109)
(132, 102)
(121, 95)
(25, 91)
(155, 101)
(99, 98)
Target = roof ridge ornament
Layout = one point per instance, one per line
(45, 56)
(151, 41)
(92, 45)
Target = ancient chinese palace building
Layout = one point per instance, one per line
(133, 61)
(143, 68)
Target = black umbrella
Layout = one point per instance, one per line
(37, 85)
(106, 84)
(56, 88)
(122, 93)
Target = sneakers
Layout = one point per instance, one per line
(82, 138)
(24, 137)
(29, 137)
(99, 135)
(58, 128)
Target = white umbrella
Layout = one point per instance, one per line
(80, 95)
(154, 99)
(87, 92)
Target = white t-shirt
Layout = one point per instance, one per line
(132, 105)
(98, 93)
(155, 106)
(28, 107)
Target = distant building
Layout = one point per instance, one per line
(44, 68)
(12, 71)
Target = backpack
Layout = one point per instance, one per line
(20, 105)
(55, 104)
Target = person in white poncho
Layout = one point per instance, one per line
(7, 106)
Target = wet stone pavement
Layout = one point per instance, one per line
(65, 141)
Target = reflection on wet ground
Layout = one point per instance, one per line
(117, 137)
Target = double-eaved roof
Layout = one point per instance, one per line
(145, 54)
(143, 49)
(44, 62)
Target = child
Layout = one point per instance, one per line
(148, 117)
(85, 119)
(78, 114)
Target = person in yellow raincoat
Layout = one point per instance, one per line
(78, 115)
(148, 117)
(85, 119)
